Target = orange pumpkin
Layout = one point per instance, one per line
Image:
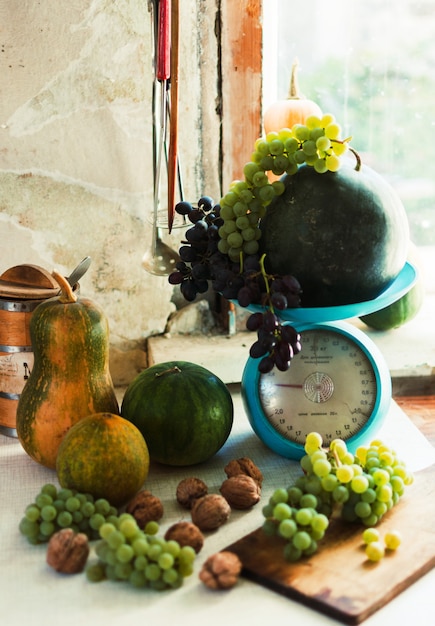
(294, 110)
(70, 378)
(104, 455)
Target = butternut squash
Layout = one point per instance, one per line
(70, 378)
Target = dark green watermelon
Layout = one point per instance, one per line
(184, 412)
(344, 235)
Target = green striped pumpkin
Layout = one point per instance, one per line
(70, 378)
(184, 412)
(407, 307)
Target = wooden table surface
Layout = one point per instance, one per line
(421, 410)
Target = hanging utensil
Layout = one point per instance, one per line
(163, 72)
(160, 259)
(153, 9)
(79, 271)
(173, 129)
(179, 174)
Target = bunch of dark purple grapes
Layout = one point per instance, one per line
(199, 252)
(276, 343)
(202, 264)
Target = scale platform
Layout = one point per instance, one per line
(398, 288)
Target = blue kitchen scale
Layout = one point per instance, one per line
(339, 385)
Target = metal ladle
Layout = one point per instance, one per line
(161, 259)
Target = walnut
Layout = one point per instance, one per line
(68, 551)
(145, 507)
(189, 490)
(221, 570)
(210, 511)
(244, 466)
(241, 491)
(186, 534)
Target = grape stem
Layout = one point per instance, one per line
(336, 457)
(266, 280)
(358, 159)
(354, 152)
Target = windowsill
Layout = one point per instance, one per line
(409, 350)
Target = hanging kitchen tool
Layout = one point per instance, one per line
(160, 259)
(79, 271)
(173, 129)
(179, 173)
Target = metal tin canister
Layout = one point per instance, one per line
(16, 358)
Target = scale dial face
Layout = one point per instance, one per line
(338, 386)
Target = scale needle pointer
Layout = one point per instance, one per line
(288, 385)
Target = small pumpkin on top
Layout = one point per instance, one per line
(295, 109)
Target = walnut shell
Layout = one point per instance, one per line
(241, 491)
(244, 465)
(67, 551)
(210, 511)
(221, 570)
(145, 507)
(186, 534)
(189, 490)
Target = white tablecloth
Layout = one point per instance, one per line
(33, 594)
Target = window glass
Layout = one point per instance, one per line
(372, 64)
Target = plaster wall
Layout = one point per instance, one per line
(76, 145)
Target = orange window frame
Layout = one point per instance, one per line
(241, 70)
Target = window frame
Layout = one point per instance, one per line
(241, 24)
(252, 86)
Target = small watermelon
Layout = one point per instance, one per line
(184, 412)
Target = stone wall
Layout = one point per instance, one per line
(75, 147)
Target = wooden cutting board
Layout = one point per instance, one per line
(339, 580)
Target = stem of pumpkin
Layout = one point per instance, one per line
(67, 294)
(293, 93)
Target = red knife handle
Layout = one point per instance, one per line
(163, 66)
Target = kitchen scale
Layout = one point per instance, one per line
(339, 385)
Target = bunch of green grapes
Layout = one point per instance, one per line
(142, 558)
(316, 143)
(54, 509)
(365, 485)
(296, 517)
(360, 487)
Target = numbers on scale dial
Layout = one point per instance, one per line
(330, 388)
